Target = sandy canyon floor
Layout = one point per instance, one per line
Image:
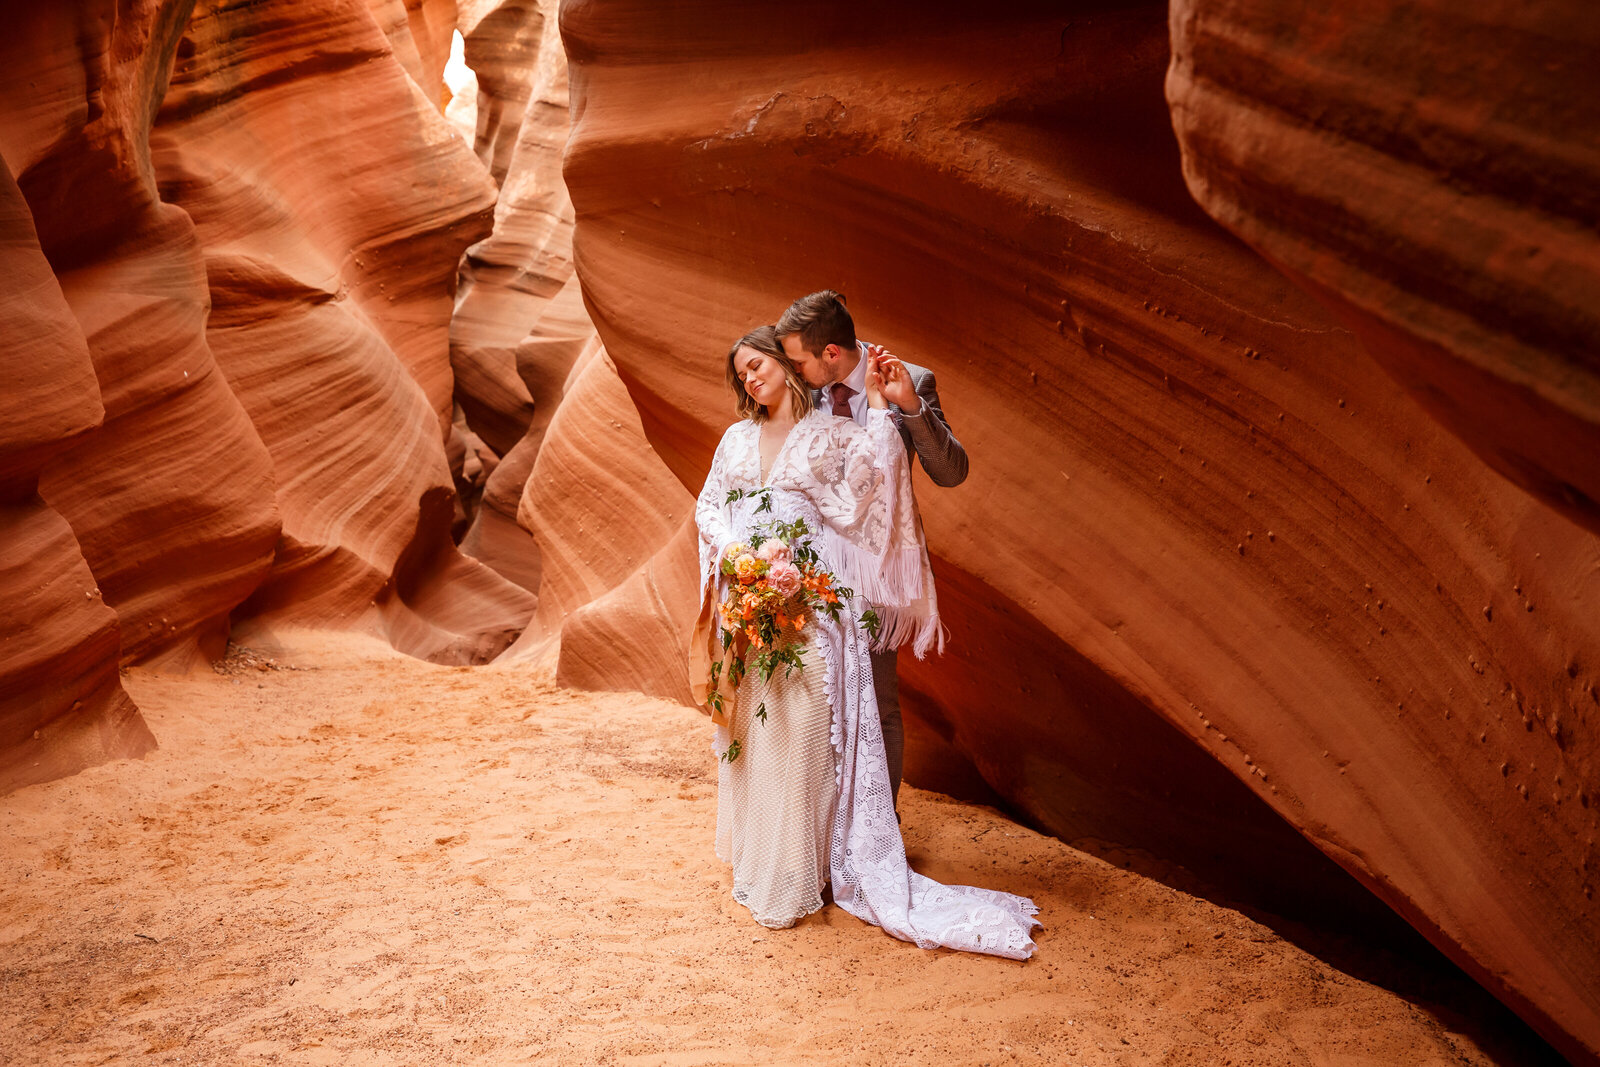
(375, 860)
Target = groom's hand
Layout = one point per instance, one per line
(897, 387)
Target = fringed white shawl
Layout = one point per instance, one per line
(871, 536)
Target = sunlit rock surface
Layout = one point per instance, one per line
(62, 706)
(1429, 173)
(165, 498)
(333, 202)
(617, 597)
(1214, 574)
(231, 249)
(1432, 173)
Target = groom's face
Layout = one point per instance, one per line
(817, 371)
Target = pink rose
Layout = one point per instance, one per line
(785, 578)
(775, 551)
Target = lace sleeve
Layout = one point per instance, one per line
(711, 509)
(872, 534)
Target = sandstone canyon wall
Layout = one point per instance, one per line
(1431, 175)
(1238, 571)
(62, 705)
(577, 504)
(1215, 573)
(234, 231)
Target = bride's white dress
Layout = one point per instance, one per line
(808, 799)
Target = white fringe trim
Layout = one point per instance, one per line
(897, 587)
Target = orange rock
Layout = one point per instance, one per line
(1427, 172)
(331, 303)
(603, 509)
(169, 518)
(519, 324)
(1183, 470)
(62, 706)
(1444, 200)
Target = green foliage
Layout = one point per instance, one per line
(872, 623)
(768, 660)
(761, 711)
(732, 753)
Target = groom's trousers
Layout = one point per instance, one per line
(886, 686)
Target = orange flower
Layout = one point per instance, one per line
(799, 623)
(749, 569)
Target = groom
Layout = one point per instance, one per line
(819, 336)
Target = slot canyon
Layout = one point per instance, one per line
(1272, 330)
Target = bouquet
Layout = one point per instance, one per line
(776, 585)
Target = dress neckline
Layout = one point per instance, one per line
(764, 478)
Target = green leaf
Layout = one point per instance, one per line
(872, 623)
(761, 711)
(732, 753)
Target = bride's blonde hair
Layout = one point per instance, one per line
(764, 339)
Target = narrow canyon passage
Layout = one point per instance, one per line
(380, 860)
(1275, 585)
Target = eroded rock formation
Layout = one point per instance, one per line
(331, 308)
(62, 706)
(1213, 569)
(519, 324)
(1430, 174)
(1217, 585)
(234, 232)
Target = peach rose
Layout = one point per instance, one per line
(785, 578)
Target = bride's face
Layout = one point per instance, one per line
(762, 376)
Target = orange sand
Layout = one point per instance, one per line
(381, 861)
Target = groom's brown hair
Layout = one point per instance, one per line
(821, 319)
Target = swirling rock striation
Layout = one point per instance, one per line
(331, 301)
(232, 241)
(1430, 174)
(62, 706)
(1216, 574)
(174, 544)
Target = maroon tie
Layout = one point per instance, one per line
(841, 399)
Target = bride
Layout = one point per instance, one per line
(804, 795)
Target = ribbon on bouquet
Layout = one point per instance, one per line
(706, 649)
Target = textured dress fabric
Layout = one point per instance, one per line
(775, 802)
(852, 486)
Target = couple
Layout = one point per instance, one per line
(809, 772)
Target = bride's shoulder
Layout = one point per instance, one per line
(736, 431)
